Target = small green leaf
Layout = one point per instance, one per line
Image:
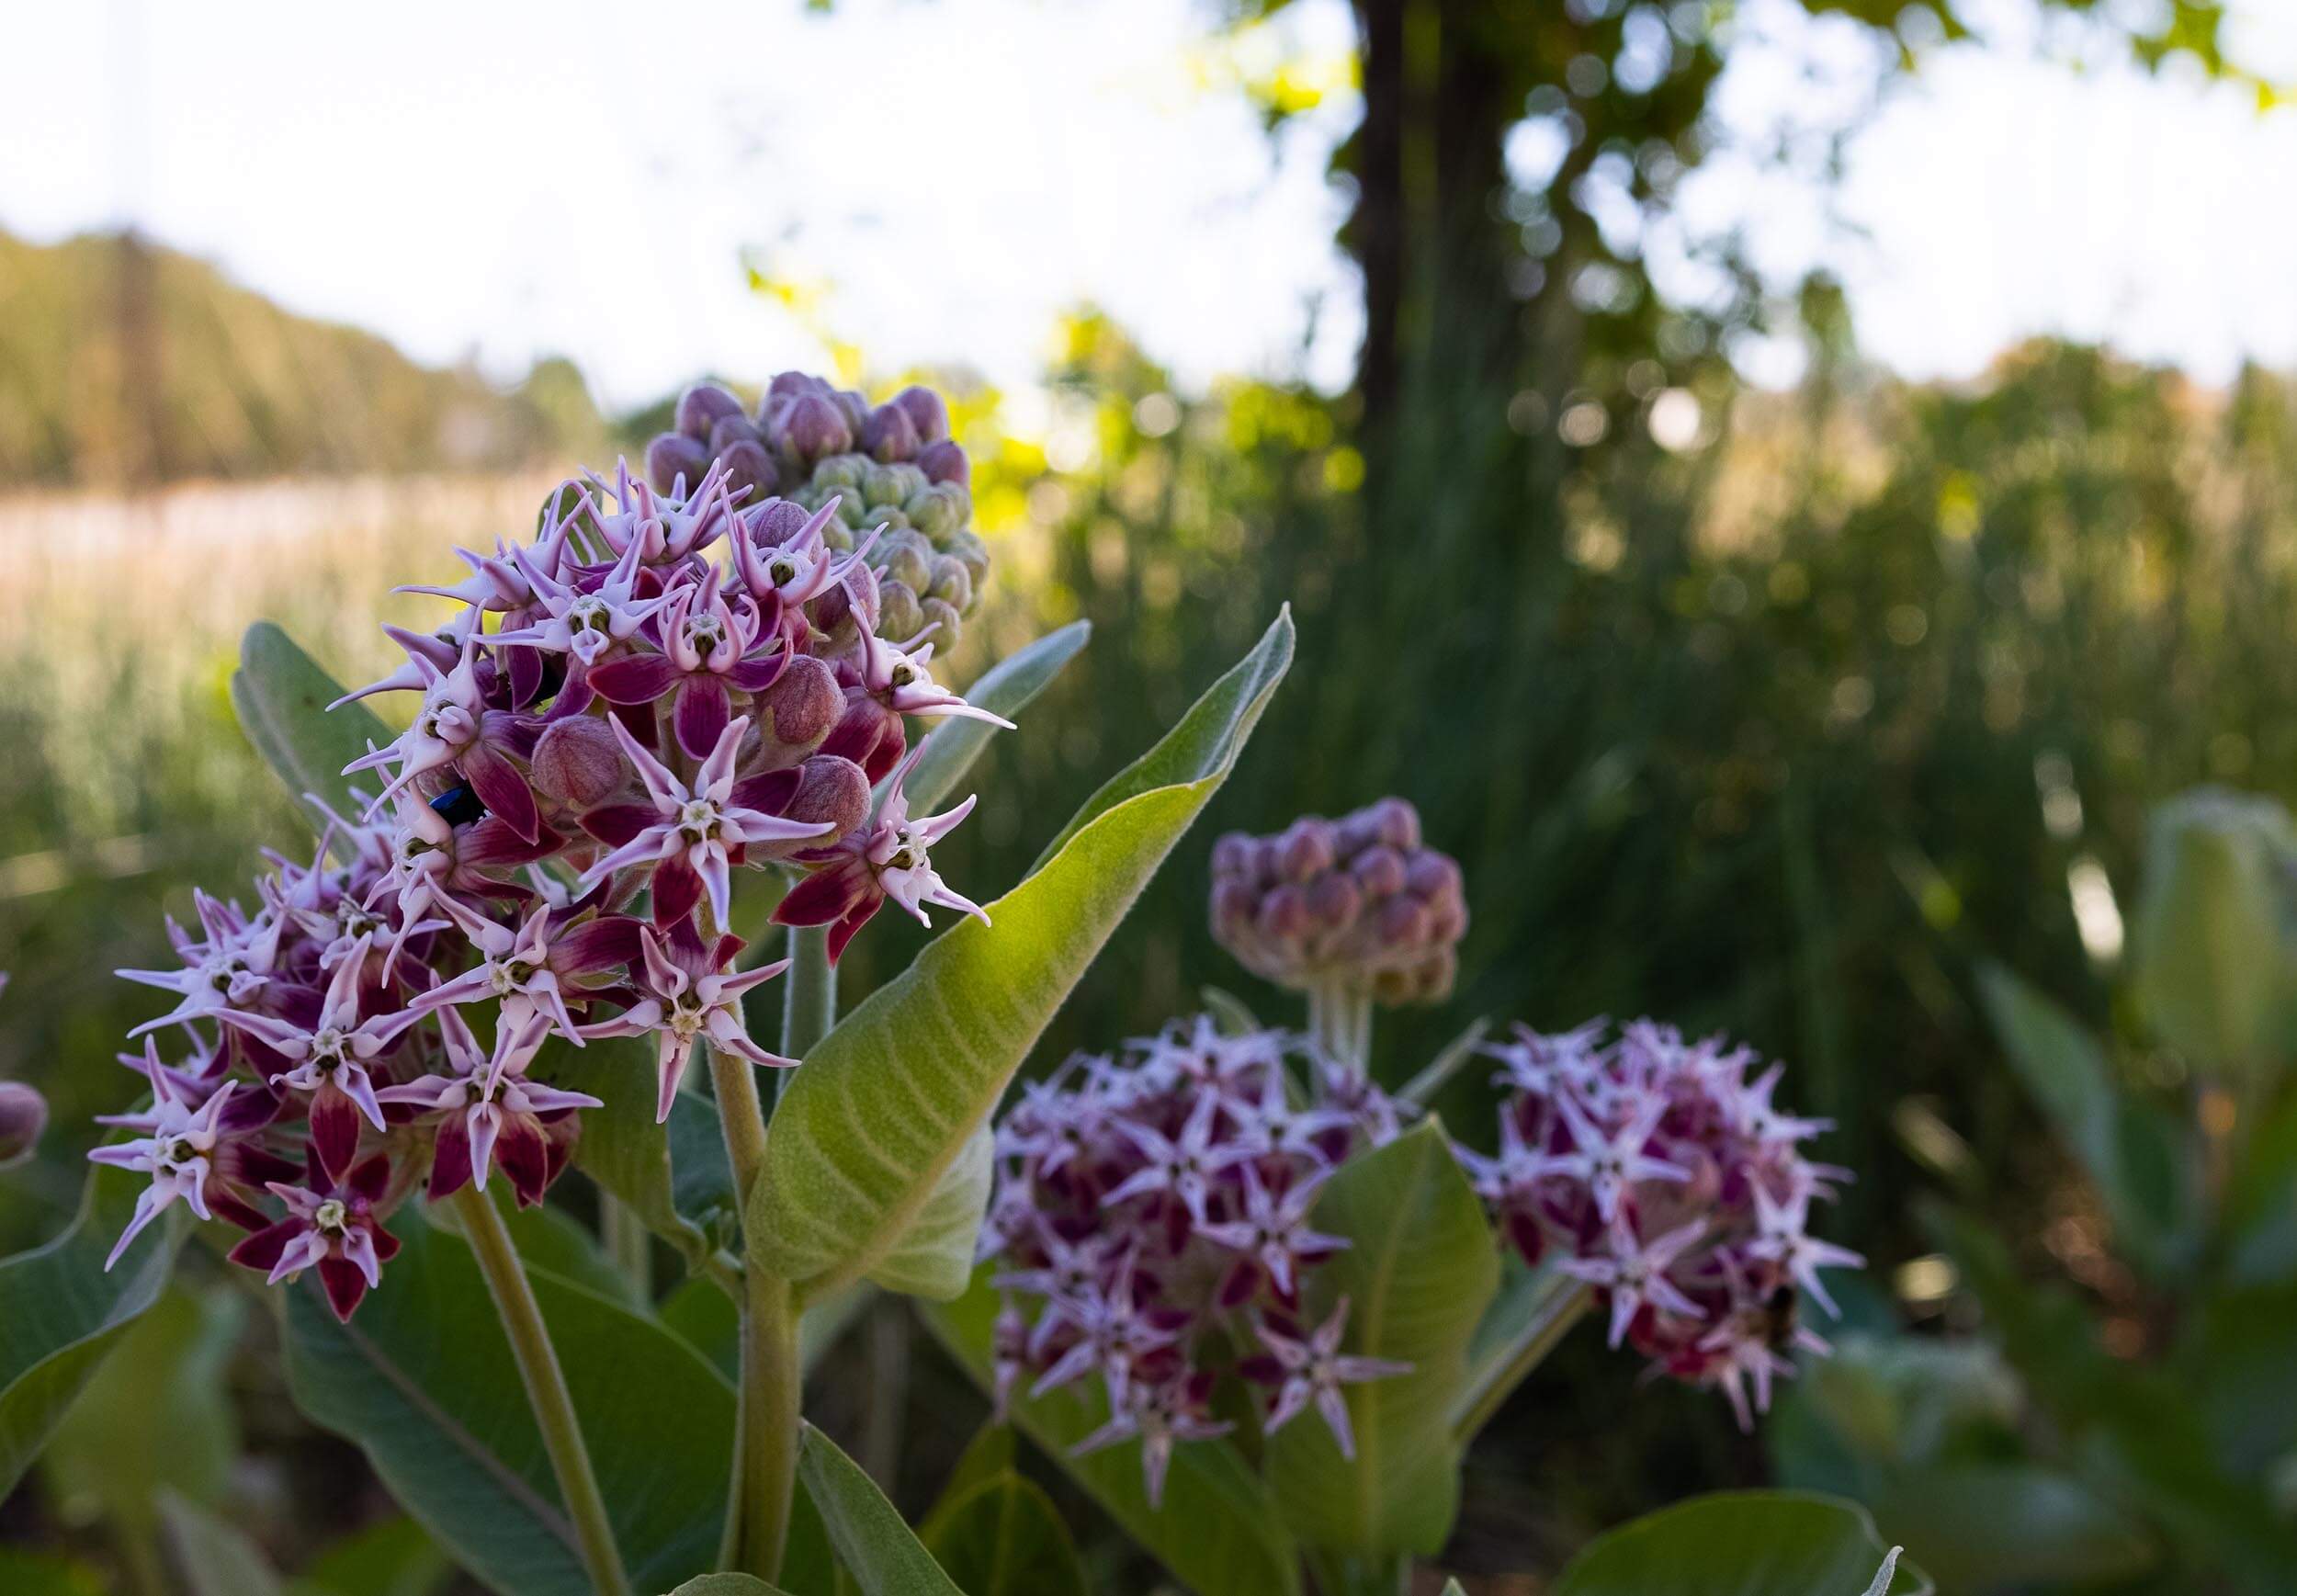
(424, 1380)
(1420, 1270)
(870, 1126)
(2211, 946)
(60, 1314)
(1741, 1544)
(1217, 1531)
(872, 1542)
(726, 1585)
(389, 1557)
(1004, 1538)
(281, 697)
(216, 1558)
(950, 749)
(1234, 1016)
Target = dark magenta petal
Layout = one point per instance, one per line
(335, 1130)
(502, 789)
(676, 890)
(344, 1285)
(262, 1249)
(615, 824)
(701, 714)
(634, 679)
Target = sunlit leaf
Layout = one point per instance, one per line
(893, 1098)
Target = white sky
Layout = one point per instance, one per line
(579, 176)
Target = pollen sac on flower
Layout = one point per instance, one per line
(1358, 903)
(1151, 1231)
(1662, 1173)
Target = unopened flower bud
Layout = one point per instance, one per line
(797, 712)
(932, 510)
(907, 557)
(1334, 900)
(1283, 915)
(814, 427)
(889, 488)
(832, 789)
(23, 1115)
(1398, 824)
(1380, 870)
(748, 466)
(578, 761)
(1432, 877)
(1403, 922)
(888, 433)
(1308, 848)
(942, 626)
(1232, 856)
(900, 615)
(842, 472)
(790, 384)
(775, 521)
(966, 545)
(952, 583)
(728, 430)
(672, 455)
(1234, 903)
(926, 412)
(702, 406)
(854, 405)
(946, 463)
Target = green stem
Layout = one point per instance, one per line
(628, 1242)
(489, 1241)
(765, 1434)
(808, 990)
(1550, 1321)
(1339, 1021)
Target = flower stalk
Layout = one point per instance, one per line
(1564, 1301)
(506, 1281)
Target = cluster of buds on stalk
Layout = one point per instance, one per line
(892, 468)
(1150, 1230)
(658, 690)
(1357, 904)
(1659, 1172)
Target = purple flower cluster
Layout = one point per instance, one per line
(1150, 1227)
(1356, 903)
(1659, 1172)
(893, 468)
(674, 687)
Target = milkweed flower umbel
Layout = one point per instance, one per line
(673, 681)
(1152, 1206)
(1659, 1170)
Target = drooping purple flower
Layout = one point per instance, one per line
(194, 1147)
(888, 859)
(532, 969)
(488, 1111)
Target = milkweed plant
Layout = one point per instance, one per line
(669, 756)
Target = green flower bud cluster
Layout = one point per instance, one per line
(891, 466)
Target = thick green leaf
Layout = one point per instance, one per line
(281, 697)
(1203, 743)
(1004, 1538)
(1740, 1543)
(215, 1558)
(157, 1417)
(423, 1379)
(61, 1313)
(726, 1585)
(892, 1099)
(1418, 1273)
(2128, 1150)
(950, 749)
(935, 1256)
(874, 1546)
(1997, 1526)
(1218, 1529)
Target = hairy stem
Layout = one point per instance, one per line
(758, 1451)
(628, 1242)
(1551, 1319)
(808, 990)
(546, 1388)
